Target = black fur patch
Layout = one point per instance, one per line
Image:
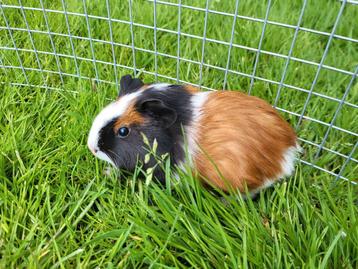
(126, 152)
(175, 98)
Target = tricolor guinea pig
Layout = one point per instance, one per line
(233, 140)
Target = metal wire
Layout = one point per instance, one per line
(260, 44)
(203, 43)
(231, 43)
(178, 40)
(112, 44)
(320, 147)
(155, 40)
(347, 161)
(90, 39)
(32, 41)
(209, 39)
(51, 41)
(290, 53)
(70, 36)
(337, 112)
(321, 63)
(189, 61)
(183, 59)
(132, 37)
(14, 44)
(260, 20)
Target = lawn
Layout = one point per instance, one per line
(60, 209)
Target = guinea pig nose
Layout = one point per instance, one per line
(94, 150)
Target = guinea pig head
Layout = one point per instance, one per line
(117, 132)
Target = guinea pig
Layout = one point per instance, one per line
(233, 140)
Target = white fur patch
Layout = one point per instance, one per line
(288, 163)
(191, 131)
(287, 167)
(268, 183)
(103, 156)
(160, 86)
(110, 112)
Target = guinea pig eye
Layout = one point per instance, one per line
(123, 131)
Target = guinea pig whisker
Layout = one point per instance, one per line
(116, 155)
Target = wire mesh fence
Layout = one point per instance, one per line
(301, 57)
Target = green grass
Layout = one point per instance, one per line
(58, 208)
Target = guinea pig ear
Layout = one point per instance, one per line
(129, 84)
(156, 109)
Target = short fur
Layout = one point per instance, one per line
(243, 141)
(234, 140)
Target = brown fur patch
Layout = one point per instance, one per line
(191, 89)
(130, 117)
(242, 140)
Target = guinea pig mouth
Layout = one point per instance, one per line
(104, 157)
(93, 150)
